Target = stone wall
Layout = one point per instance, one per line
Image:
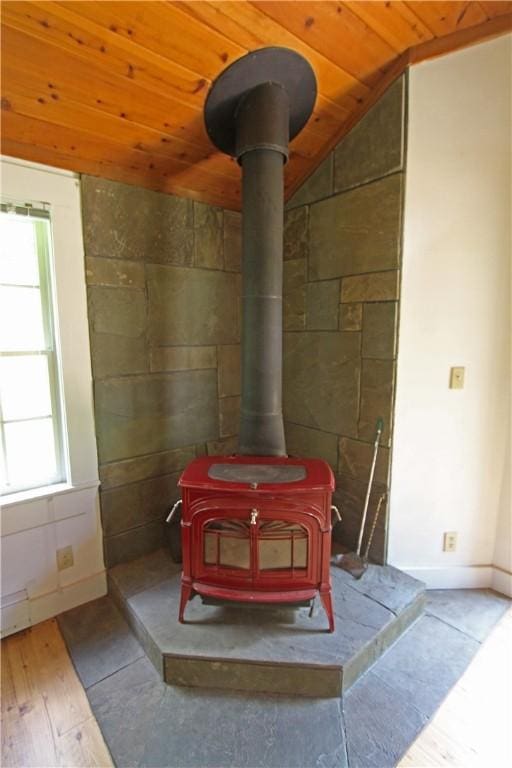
(341, 274)
(164, 315)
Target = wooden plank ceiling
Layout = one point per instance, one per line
(116, 89)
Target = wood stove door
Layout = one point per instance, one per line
(268, 545)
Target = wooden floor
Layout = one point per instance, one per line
(46, 718)
(47, 721)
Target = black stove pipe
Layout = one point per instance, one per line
(262, 135)
(254, 108)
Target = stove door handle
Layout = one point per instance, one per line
(254, 516)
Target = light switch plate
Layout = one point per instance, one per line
(457, 377)
(450, 541)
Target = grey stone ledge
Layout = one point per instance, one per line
(276, 650)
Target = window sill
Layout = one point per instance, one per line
(45, 492)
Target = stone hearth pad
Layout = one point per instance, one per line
(269, 650)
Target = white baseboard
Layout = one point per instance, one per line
(502, 581)
(464, 577)
(25, 613)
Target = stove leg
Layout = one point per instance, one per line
(186, 591)
(326, 599)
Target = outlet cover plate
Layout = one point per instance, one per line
(65, 558)
(457, 377)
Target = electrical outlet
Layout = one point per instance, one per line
(450, 541)
(65, 558)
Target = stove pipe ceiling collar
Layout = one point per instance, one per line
(253, 109)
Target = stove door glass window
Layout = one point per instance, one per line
(282, 546)
(227, 544)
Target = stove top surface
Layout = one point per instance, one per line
(258, 473)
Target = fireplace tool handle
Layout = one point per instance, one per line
(380, 427)
(335, 513)
(173, 511)
(374, 526)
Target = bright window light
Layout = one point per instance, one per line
(30, 403)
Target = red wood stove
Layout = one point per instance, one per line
(257, 529)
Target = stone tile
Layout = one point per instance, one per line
(319, 185)
(379, 286)
(127, 222)
(229, 374)
(379, 725)
(294, 294)
(147, 414)
(377, 383)
(134, 543)
(114, 355)
(143, 467)
(134, 710)
(379, 330)
(116, 273)
(357, 231)
(386, 585)
(208, 236)
(321, 380)
(351, 317)
(296, 233)
(98, 639)
(294, 274)
(117, 311)
(192, 306)
(229, 416)
(355, 458)
(143, 573)
(375, 146)
(240, 676)
(472, 611)
(311, 443)
(232, 241)
(139, 503)
(294, 309)
(426, 663)
(224, 447)
(322, 305)
(182, 358)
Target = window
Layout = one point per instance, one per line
(32, 452)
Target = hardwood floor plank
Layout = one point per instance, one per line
(58, 684)
(46, 718)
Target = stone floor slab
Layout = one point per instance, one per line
(148, 723)
(388, 707)
(388, 586)
(275, 650)
(380, 726)
(426, 663)
(99, 640)
(472, 611)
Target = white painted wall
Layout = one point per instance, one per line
(450, 469)
(34, 524)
